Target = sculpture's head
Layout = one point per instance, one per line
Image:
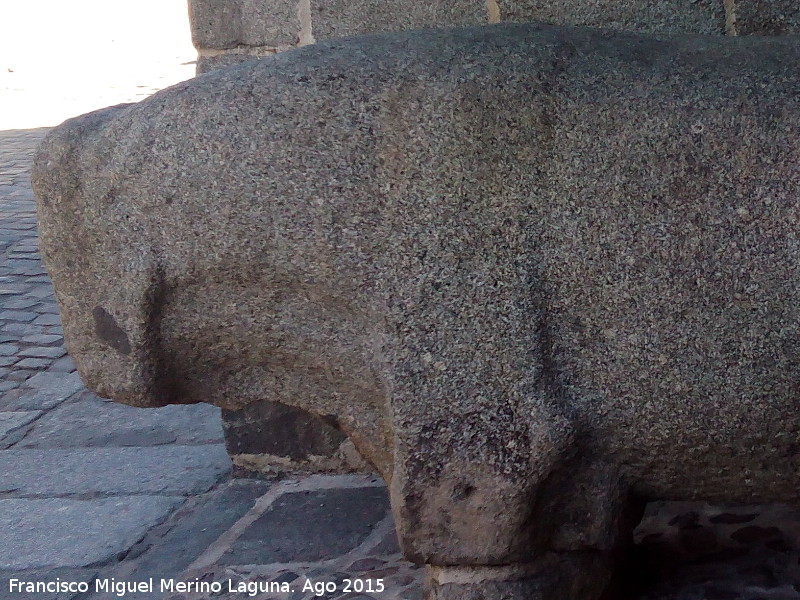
(167, 297)
(74, 191)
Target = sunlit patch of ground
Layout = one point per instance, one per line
(60, 59)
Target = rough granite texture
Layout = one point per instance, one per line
(205, 64)
(581, 243)
(340, 18)
(645, 16)
(330, 19)
(767, 17)
(228, 24)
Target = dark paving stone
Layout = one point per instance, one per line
(366, 564)
(755, 534)
(168, 549)
(687, 520)
(389, 545)
(41, 291)
(310, 526)
(279, 430)
(47, 320)
(43, 352)
(20, 374)
(12, 425)
(19, 316)
(42, 392)
(62, 365)
(34, 363)
(49, 308)
(732, 518)
(42, 339)
(8, 349)
(60, 532)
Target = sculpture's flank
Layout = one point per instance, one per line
(537, 274)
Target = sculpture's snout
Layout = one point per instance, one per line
(106, 301)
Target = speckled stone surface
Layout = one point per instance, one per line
(644, 16)
(767, 17)
(581, 243)
(340, 18)
(206, 64)
(223, 25)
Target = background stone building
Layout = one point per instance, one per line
(229, 31)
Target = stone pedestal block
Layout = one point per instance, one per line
(567, 576)
(268, 438)
(234, 31)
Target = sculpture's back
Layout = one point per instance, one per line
(538, 274)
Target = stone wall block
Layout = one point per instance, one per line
(767, 17)
(215, 24)
(645, 16)
(270, 22)
(221, 25)
(340, 18)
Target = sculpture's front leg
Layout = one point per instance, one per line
(504, 508)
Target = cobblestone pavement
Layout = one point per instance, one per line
(98, 493)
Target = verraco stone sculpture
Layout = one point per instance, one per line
(539, 275)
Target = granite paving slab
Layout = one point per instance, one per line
(89, 421)
(316, 537)
(13, 420)
(169, 470)
(62, 532)
(42, 391)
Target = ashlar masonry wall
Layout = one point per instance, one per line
(230, 31)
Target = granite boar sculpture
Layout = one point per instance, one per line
(538, 275)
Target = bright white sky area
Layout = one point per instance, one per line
(61, 58)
